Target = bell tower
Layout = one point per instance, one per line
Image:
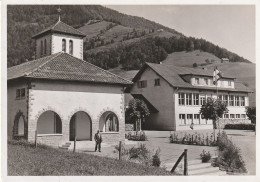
(59, 37)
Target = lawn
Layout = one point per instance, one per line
(24, 159)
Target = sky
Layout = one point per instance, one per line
(228, 26)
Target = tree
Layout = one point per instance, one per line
(137, 110)
(250, 112)
(195, 65)
(190, 46)
(213, 109)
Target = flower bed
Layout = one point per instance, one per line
(202, 139)
(136, 136)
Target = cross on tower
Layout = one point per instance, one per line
(59, 10)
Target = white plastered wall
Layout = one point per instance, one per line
(77, 44)
(66, 103)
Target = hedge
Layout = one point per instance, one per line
(240, 126)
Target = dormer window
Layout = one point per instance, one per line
(71, 47)
(63, 45)
(197, 81)
(229, 83)
(206, 81)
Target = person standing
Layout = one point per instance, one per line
(98, 139)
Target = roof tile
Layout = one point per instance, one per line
(61, 27)
(172, 74)
(62, 66)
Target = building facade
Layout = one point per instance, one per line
(177, 94)
(59, 97)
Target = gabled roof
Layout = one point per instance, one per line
(62, 66)
(172, 74)
(61, 27)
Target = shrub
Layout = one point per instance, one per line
(240, 126)
(205, 156)
(141, 154)
(251, 114)
(137, 136)
(156, 158)
(194, 139)
(229, 155)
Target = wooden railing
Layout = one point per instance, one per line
(184, 154)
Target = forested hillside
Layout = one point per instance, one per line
(114, 38)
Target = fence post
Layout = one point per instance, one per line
(120, 149)
(35, 138)
(74, 149)
(185, 163)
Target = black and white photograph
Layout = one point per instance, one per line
(132, 89)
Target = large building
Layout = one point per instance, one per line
(59, 96)
(175, 95)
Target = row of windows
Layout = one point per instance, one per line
(187, 119)
(232, 100)
(20, 93)
(64, 44)
(191, 99)
(200, 99)
(233, 116)
(143, 83)
(207, 81)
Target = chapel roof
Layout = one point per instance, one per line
(63, 66)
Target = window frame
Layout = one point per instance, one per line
(196, 99)
(71, 47)
(157, 82)
(197, 81)
(20, 93)
(142, 84)
(231, 100)
(64, 47)
(182, 117)
(202, 99)
(181, 99)
(242, 101)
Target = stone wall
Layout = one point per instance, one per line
(51, 140)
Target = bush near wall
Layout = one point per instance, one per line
(136, 136)
(202, 139)
(229, 158)
(240, 126)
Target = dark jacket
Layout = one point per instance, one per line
(98, 138)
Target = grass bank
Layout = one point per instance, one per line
(24, 159)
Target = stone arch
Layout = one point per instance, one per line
(49, 122)
(102, 119)
(20, 117)
(80, 125)
(47, 109)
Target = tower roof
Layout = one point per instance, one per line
(60, 27)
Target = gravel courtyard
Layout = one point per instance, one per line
(170, 152)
